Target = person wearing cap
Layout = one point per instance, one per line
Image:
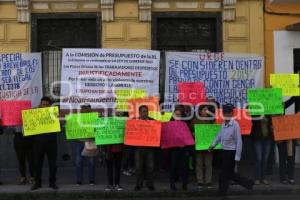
(85, 108)
(231, 142)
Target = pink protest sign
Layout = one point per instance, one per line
(176, 134)
(191, 92)
(11, 112)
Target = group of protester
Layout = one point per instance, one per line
(31, 151)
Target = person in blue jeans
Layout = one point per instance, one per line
(80, 159)
(262, 137)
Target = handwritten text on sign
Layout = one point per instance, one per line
(191, 92)
(110, 130)
(286, 127)
(160, 117)
(21, 77)
(176, 134)
(124, 95)
(11, 112)
(81, 126)
(289, 83)
(265, 101)
(226, 76)
(40, 120)
(143, 133)
(205, 135)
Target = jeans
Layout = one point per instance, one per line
(262, 150)
(286, 162)
(144, 161)
(79, 164)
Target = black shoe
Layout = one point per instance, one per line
(35, 187)
(151, 188)
(53, 186)
(184, 187)
(284, 182)
(173, 187)
(250, 185)
(221, 193)
(137, 188)
(78, 183)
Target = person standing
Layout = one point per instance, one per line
(80, 145)
(231, 142)
(24, 150)
(45, 144)
(203, 158)
(262, 138)
(144, 159)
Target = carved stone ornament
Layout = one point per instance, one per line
(107, 10)
(229, 10)
(145, 10)
(23, 10)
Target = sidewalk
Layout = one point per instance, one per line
(69, 190)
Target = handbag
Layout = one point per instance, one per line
(90, 149)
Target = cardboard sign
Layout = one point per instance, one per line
(166, 117)
(289, 83)
(265, 101)
(41, 120)
(176, 134)
(124, 95)
(242, 116)
(191, 92)
(205, 135)
(286, 127)
(151, 102)
(145, 133)
(81, 125)
(11, 112)
(110, 130)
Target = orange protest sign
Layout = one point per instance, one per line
(242, 116)
(133, 105)
(144, 133)
(286, 127)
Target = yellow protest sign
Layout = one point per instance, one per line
(166, 117)
(288, 82)
(40, 120)
(124, 95)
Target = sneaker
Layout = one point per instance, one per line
(132, 171)
(118, 188)
(265, 182)
(292, 181)
(137, 188)
(92, 182)
(78, 183)
(31, 180)
(109, 188)
(53, 186)
(35, 187)
(22, 181)
(257, 182)
(200, 186)
(208, 185)
(126, 173)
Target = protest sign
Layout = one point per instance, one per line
(205, 135)
(286, 127)
(160, 117)
(40, 120)
(265, 101)
(81, 125)
(133, 105)
(11, 112)
(124, 95)
(226, 76)
(21, 77)
(289, 83)
(92, 75)
(145, 133)
(191, 92)
(110, 130)
(242, 116)
(176, 134)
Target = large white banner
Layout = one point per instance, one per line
(226, 76)
(21, 77)
(93, 75)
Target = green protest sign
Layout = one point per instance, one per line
(265, 101)
(81, 125)
(205, 135)
(110, 130)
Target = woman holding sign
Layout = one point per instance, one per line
(231, 142)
